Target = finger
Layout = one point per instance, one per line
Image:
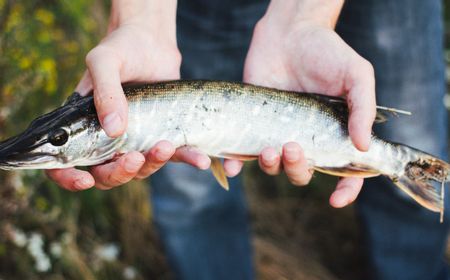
(110, 102)
(118, 172)
(192, 156)
(346, 192)
(295, 164)
(362, 103)
(85, 84)
(232, 167)
(71, 179)
(156, 158)
(269, 161)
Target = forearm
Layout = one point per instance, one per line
(155, 14)
(323, 12)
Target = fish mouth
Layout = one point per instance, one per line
(33, 148)
(29, 161)
(22, 152)
(17, 153)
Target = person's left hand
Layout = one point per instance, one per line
(309, 56)
(140, 46)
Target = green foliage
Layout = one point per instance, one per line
(42, 49)
(47, 232)
(43, 44)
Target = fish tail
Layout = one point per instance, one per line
(424, 180)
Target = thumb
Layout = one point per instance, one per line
(110, 101)
(361, 102)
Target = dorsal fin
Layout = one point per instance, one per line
(74, 97)
(393, 111)
(382, 111)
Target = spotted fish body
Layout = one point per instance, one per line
(234, 120)
(225, 120)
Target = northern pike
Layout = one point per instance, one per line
(224, 120)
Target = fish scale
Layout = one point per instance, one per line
(224, 120)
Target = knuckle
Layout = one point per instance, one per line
(367, 67)
(259, 28)
(100, 51)
(93, 54)
(118, 179)
(362, 69)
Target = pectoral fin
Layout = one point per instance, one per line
(219, 172)
(351, 170)
(239, 157)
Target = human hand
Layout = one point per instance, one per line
(292, 51)
(140, 46)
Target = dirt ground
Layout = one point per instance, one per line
(297, 234)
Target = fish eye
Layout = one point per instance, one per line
(58, 137)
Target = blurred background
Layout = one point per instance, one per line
(49, 233)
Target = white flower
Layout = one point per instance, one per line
(18, 237)
(107, 252)
(35, 244)
(55, 249)
(129, 273)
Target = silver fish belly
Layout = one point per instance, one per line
(224, 120)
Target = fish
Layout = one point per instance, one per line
(225, 120)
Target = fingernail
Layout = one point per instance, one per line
(291, 154)
(270, 159)
(203, 162)
(82, 183)
(162, 154)
(112, 124)
(132, 165)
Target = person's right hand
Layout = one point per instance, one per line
(294, 47)
(133, 51)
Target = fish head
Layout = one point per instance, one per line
(68, 136)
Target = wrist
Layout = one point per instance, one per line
(319, 12)
(153, 15)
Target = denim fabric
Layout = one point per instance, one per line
(205, 229)
(403, 40)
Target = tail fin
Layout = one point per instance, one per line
(417, 181)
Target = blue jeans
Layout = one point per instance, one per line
(403, 40)
(205, 230)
